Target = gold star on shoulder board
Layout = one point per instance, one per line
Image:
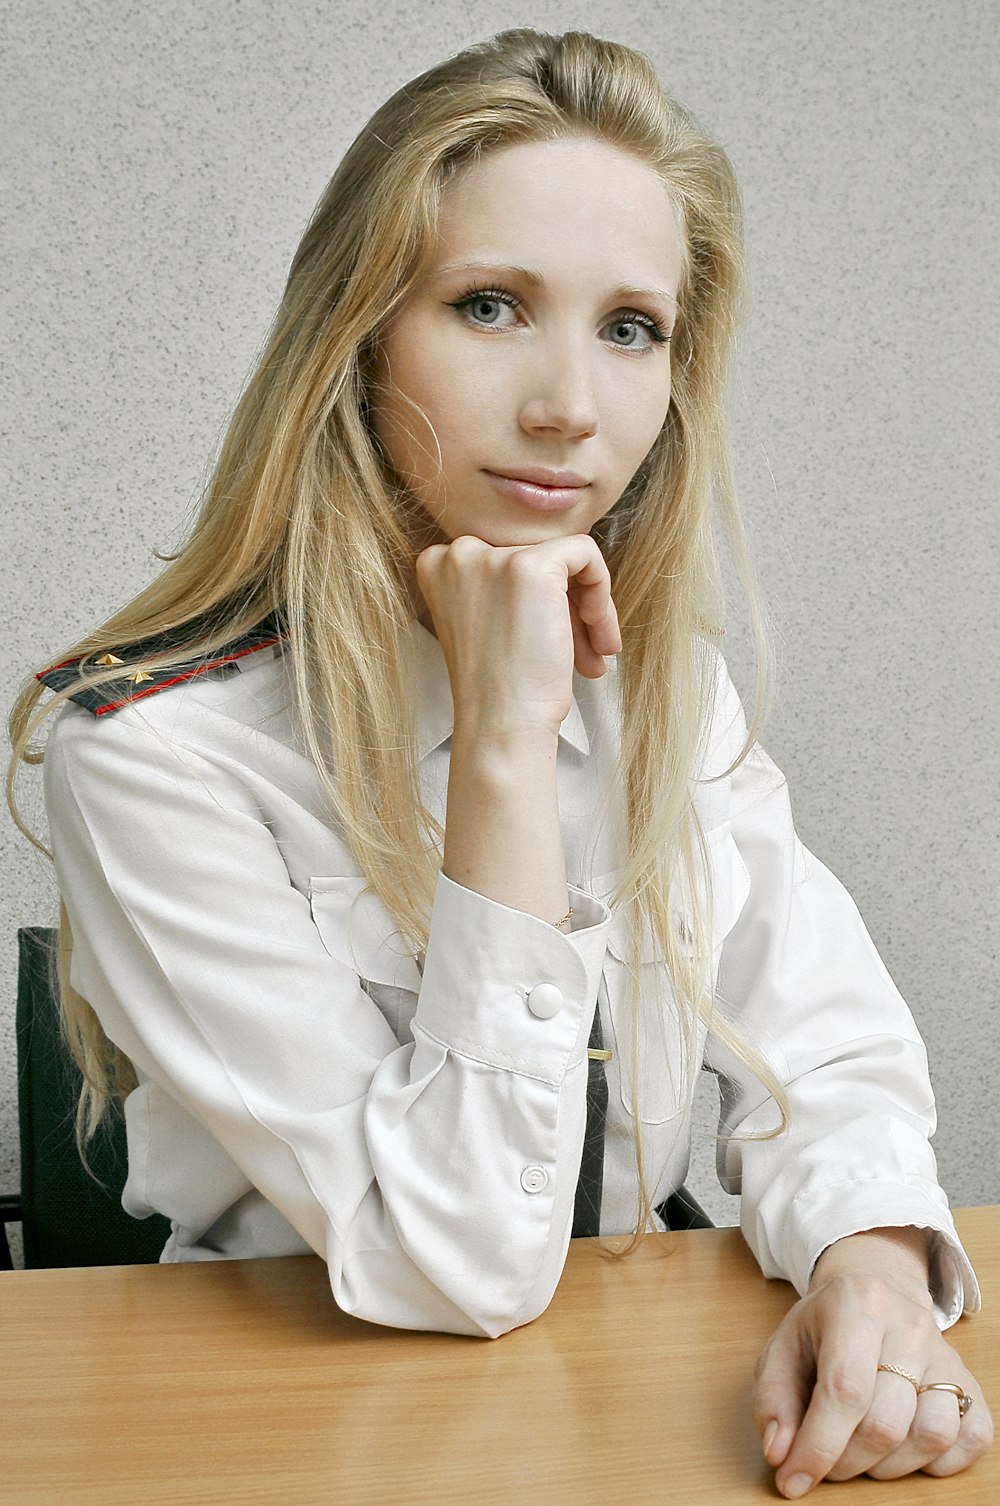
(139, 678)
(108, 661)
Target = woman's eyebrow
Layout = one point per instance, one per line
(535, 279)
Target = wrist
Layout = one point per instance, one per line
(897, 1255)
(502, 832)
(492, 748)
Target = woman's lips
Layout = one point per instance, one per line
(538, 498)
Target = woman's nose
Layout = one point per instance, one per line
(559, 395)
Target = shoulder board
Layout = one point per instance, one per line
(134, 685)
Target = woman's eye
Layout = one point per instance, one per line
(486, 308)
(635, 331)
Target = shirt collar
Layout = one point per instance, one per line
(435, 711)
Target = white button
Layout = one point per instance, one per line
(534, 1178)
(545, 1000)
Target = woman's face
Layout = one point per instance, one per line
(535, 348)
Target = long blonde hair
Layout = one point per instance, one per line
(302, 515)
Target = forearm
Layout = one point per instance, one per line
(502, 836)
(512, 623)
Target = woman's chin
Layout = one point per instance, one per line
(517, 533)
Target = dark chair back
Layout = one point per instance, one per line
(69, 1216)
(683, 1211)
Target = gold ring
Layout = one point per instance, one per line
(898, 1370)
(959, 1392)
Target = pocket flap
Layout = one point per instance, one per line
(730, 889)
(356, 928)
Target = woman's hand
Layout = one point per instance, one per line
(513, 622)
(825, 1411)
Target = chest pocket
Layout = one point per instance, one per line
(646, 1071)
(357, 930)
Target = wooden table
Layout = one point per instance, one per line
(238, 1383)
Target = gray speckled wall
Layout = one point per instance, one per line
(159, 167)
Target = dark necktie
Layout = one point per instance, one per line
(587, 1207)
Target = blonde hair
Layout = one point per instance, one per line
(302, 515)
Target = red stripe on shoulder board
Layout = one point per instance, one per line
(191, 674)
(49, 668)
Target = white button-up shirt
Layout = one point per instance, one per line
(305, 1085)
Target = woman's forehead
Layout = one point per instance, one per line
(569, 202)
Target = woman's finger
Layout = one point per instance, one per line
(847, 1348)
(594, 639)
(884, 1427)
(975, 1436)
(596, 610)
(781, 1393)
(586, 660)
(588, 583)
(429, 569)
(940, 1441)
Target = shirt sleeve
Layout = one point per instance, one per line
(436, 1178)
(801, 979)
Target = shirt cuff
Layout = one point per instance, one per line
(952, 1281)
(483, 964)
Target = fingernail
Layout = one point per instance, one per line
(796, 1486)
(769, 1435)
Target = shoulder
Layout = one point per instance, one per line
(235, 707)
(725, 728)
(102, 694)
(219, 742)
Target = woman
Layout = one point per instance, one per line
(359, 876)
